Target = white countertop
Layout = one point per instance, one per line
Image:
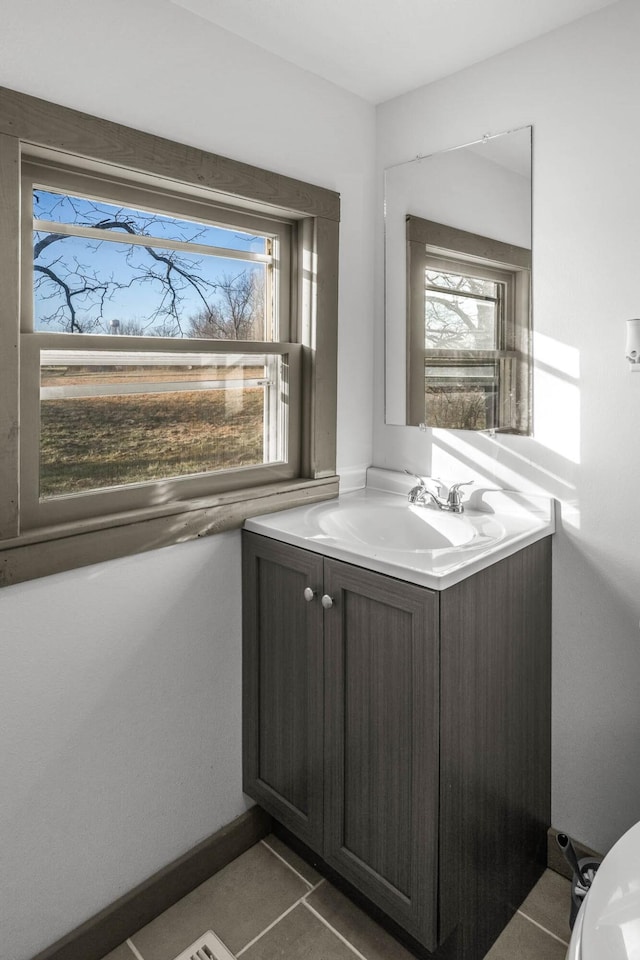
(376, 528)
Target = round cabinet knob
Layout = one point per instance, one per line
(327, 601)
(309, 594)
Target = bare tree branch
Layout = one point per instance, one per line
(69, 293)
(238, 313)
(176, 276)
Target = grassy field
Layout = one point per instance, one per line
(96, 442)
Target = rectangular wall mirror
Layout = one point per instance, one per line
(458, 287)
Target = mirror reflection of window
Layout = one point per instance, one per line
(461, 312)
(468, 330)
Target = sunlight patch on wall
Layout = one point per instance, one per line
(494, 462)
(546, 463)
(455, 452)
(557, 396)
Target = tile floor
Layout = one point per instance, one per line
(270, 905)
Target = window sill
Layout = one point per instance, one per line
(40, 553)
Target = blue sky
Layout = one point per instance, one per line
(80, 261)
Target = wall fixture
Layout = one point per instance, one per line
(632, 352)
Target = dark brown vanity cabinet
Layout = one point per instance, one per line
(403, 734)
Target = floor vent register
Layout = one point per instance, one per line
(208, 947)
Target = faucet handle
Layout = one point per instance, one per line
(462, 483)
(415, 476)
(455, 497)
(424, 481)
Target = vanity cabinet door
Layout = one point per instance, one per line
(283, 684)
(381, 742)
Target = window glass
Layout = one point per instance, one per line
(461, 397)
(461, 312)
(111, 418)
(476, 286)
(57, 207)
(99, 268)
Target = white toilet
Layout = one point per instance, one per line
(608, 923)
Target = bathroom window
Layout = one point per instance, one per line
(168, 340)
(468, 321)
(157, 340)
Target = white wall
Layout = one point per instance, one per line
(120, 683)
(580, 88)
(121, 732)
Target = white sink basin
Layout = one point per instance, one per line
(379, 529)
(396, 525)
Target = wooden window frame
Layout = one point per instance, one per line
(35, 130)
(435, 244)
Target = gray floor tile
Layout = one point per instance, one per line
(359, 929)
(310, 875)
(548, 904)
(522, 940)
(121, 953)
(237, 904)
(299, 936)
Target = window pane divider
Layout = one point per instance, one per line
(452, 292)
(141, 240)
(156, 348)
(470, 356)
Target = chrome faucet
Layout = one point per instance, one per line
(454, 497)
(420, 495)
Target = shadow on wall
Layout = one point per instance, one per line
(596, 708)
